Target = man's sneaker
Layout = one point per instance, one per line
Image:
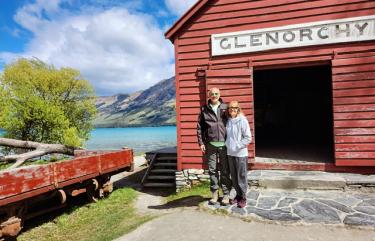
(215, 197)
(242, 203)
(234, 201)
(225, 200)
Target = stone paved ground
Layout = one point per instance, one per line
(310, 180)
(193, 225)
(330, 207)
(184, 221)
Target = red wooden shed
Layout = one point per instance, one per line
(303, 71)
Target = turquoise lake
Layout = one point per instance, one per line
(140, 139)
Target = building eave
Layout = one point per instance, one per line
(170, 34)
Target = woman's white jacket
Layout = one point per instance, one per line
(238, 136)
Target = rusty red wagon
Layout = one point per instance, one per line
(34, 190)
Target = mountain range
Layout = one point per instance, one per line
(154, 106)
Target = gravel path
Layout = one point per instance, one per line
(193, 225)
(289, 215)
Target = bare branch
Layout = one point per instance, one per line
(21, 158)
(19, 143)
(40, 149)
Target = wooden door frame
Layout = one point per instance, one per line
(244, 76)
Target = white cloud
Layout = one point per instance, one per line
(179, 7)
(117, 51)
(31, 16)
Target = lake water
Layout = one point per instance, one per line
(140, 139)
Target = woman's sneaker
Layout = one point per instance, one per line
(225, 201)
(234, 201)
(215, 197)
(242, 203)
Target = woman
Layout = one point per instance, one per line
(238, 137)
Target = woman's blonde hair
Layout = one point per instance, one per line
(235, 102)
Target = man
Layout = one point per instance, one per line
(211, 128)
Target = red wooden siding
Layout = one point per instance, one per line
(354, 107)
(235, 88)
(192, 51)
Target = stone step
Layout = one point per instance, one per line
(161, 177)
(166, 158)
(297, 180)
(155, 184)
(163, 171)
(166, 164)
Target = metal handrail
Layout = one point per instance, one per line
(149, 168)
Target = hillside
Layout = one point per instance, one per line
(151, 107)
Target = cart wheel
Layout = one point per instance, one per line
(93, 191)
(107, 188)
(62, 196)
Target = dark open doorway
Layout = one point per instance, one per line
(293, 115)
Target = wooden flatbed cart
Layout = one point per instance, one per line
(30, 191)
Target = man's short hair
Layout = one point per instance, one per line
(212, 89)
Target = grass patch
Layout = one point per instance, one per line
(4, 165)
(106, 219)
(202, 189)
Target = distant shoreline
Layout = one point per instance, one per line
(140, 139)
(130, 126)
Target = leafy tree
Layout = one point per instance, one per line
(41, 103)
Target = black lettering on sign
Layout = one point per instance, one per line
(289, 36)
(237, 45)
(274, 39)
(227, 46)
(346, 30)
(254, 40)
(320, 33)
(305, 33)
(361, 28)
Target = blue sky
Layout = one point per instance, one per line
(118, 45)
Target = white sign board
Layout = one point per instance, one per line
(315, 33)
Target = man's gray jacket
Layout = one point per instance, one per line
(211, 127)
